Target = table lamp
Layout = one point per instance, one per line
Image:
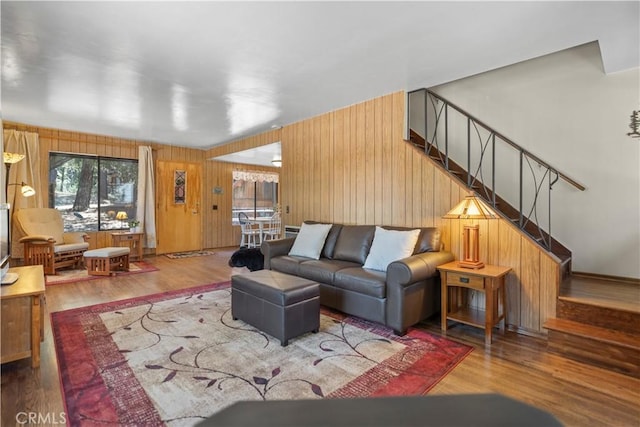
(122, 216)
(470, 208)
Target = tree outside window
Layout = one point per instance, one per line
(91, 191)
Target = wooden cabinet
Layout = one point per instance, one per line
(456, 283)
(23, 316)
(131, 240)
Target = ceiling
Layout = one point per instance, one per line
(199, 74)
(264, 155)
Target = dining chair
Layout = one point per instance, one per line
(251, 236)
(274, 228)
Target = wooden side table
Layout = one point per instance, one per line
(23, 315)
(130, 240)
(456, 282)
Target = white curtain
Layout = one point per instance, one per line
(255, 176)
(145, 211)
(26, 170)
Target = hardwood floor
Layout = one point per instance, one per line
(515, 365)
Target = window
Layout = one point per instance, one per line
(93, 193)
(254, 193)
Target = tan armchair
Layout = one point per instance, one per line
(46, 243)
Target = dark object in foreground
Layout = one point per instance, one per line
(251, 258)
(457, 410)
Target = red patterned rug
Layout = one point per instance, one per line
(178, 357)
(70, 276)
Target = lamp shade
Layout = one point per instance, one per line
(122, 215)
(11, 158)
(470, 208)
(26, 190)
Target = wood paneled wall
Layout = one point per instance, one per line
(83, 143)
(218, 229)
(352, 166)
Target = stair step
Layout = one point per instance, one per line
(605, 348)
(596, 333)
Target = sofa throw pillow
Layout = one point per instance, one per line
(310, 240)
(389, 246)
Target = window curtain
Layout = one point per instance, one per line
(26, 170)
(255, 176)
(145, 211)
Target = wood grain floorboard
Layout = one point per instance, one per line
(514, 365)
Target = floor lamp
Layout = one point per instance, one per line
(470, 208)
(9, 159)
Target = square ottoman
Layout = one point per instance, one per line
(106, 261)
(279, 304)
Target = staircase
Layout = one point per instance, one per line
(598, 322)
(597, 319)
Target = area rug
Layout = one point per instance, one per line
(176, 358)
(69, 276)
(178, 255)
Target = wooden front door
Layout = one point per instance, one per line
(178, 209)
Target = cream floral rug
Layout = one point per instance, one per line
(177, 358)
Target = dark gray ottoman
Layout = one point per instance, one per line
(281, 305)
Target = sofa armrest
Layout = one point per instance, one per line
(413, 289)
(416, 267)
(75, 237)
(37, 238)
(274, 248)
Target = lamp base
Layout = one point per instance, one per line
(468, 264)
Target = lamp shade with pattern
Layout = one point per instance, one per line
(470, 208)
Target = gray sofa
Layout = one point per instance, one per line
(408, 292)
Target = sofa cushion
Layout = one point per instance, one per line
(323, 270)
(357, 279)
(354, 242)
(330, 242)
(429, 239)
(389, 246)
(310, 240)
(287, 264)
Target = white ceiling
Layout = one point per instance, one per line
(263, 155)
(199, 74)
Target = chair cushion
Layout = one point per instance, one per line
(59, 249)
(354, 242)
(43, 221)
(105, 252)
